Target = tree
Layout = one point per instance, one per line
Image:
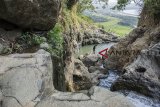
(150, 11)
(87, 4)
(152, 5)
(121, 4)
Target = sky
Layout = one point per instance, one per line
(130, 9)
(112, 1)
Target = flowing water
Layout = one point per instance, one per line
(137, 99)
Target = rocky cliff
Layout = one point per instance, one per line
(137, 57)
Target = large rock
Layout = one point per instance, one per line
(81, 76)
(127, 49)
(99, 97)
(25, 78)
(33, 14)
(143, 74)
(91, 60)
(96, 73)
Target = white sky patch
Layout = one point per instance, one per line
(112, 1)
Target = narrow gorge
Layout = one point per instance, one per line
(49, 54)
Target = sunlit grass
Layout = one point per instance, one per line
(112, 26)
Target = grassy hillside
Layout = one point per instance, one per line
(112, 25)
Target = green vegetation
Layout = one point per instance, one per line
(32, 39)
(69, 21)
(87, 4)
(112, 26)
(84, 4)
(55, 40)
(27, 40)
(153, 6)
(83, 18)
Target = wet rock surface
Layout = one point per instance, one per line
(137, 99)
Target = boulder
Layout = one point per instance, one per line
(91, 60)
(142, 75)
(25, 78)
(95, 76)
(32, 14)
(99, 97)
(97, 72)
(127, 49)
(81, 76)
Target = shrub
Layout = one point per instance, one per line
(55, 39)
(31, 39)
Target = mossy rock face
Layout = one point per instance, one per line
(32, 14)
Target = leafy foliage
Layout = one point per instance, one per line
(152, 5)
(121, 4)
(55, 39)
(85, 4)
(31, 39)
(27, 41)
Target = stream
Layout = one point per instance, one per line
(89, 49)
(137, 99)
